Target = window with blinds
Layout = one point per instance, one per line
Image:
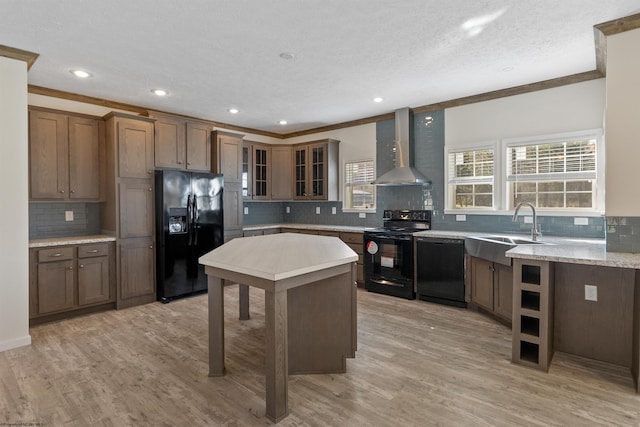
(359, 193)
(471, 178)
(560, 174)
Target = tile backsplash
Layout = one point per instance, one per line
(47, 220)
(623, 234)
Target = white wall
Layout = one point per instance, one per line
(622, 130)
(14, 215)
(563, 109)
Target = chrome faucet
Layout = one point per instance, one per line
(535, 232)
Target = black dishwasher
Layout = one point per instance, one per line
(440, 270)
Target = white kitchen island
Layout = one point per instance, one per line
(310, 305)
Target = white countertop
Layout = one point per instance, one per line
(338, 228)
(280, 256)
(74, 240)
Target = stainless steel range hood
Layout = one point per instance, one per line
(403, 173)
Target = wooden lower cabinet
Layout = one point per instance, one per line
(492, 287)
(136, 271)
(64, 280)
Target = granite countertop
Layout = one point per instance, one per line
(559, 249)
(74, 240)
(344, 228)
(297, 254)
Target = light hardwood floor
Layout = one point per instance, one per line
(417, 364)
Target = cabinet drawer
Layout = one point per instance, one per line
(352, 238)
(328, 233)
(357, 248)
(55, 254)
(91, 250)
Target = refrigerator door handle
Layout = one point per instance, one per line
(194, 221)
(189, 223)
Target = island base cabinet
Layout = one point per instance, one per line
(533, 302)
(136, 271)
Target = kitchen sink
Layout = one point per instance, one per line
(492, 248)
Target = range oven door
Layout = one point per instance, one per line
(388, 264)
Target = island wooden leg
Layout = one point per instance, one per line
(276, 355)
(216, 327)
(244, 301)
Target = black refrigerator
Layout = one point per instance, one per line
(189, 223)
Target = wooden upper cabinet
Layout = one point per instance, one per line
(227, 156)
(48, 155)
(181, 143)
(170, 143)
(64, 156)
(198, 146)
(261, 171)
(84, 158)
(135, 148)
(281, 172)
(315, 170)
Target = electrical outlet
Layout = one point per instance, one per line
(333, 210)
(590, 292)
(528, 219)
(288, 209)
(246, 210)
(461, 217)
(317, 210)
(68, 216)
(362, 215)
(580, 221)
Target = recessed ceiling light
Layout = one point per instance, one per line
(282, 122)
(509, 68)
(81, 73)
(377, 99)
(287, 55)
(233, 110)
(159, 92)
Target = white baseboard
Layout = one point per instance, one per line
(15, 343)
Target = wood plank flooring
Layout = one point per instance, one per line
(417, 364)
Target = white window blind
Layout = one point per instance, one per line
(359, 193)
(471, 178)
(554, 174)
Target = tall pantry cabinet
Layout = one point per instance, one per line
(128, 211)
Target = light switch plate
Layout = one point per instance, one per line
(580, 221)
(591, 292)
(362, 215)
(68, 215)
(528, 219)
(333, 210)
(317, 210)
(246, 210)
(288, 209)
(461, 218)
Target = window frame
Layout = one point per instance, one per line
(449, 196)
(598, 194)
(346, 185)
(501, 195)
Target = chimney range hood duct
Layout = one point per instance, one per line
(403, 173)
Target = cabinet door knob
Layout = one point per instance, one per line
(179, 162)
(150, 189)
(81, 265)
(149, 171)
(188, 163)
(150, 246)
(70, 267)
(62, 191)
(72, 191)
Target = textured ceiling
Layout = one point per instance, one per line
(211, 55)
